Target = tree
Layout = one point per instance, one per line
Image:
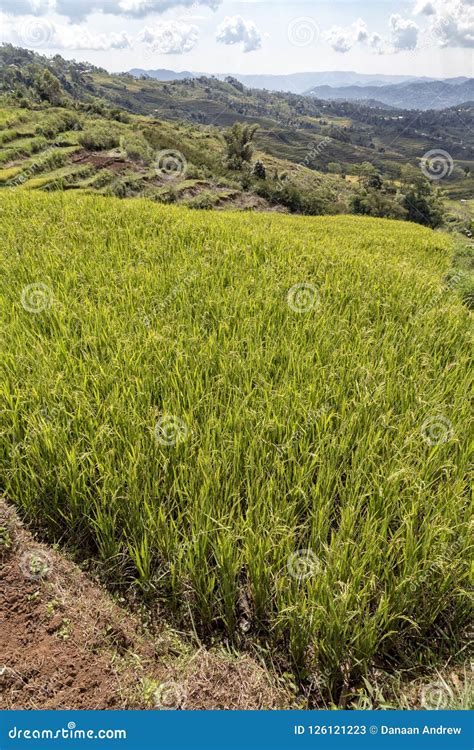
(423, 204)
(377, 203)
(334, 167)
(239, 140)
(235, 83)
(259, 170)
(49, 88)
(369, 177)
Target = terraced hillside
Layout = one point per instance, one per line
(56, 148)
(257, 422)
(329, 137)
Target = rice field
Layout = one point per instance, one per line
(261, 422)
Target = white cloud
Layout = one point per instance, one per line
(403, 33)
(141, 8)
(171, 37)
(236, 30)
(344, 39)
(341, 40)
(377, 44)
(80, 9)
(403, 36)
(453, 23)
(361, 32)
(424, 8)
(68, 38)
(27, 7)
(35, 33)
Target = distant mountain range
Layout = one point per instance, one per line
(399, 92)
(296, 83)
(421, 95)
(163, 74)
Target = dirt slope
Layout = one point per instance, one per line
(65, 644)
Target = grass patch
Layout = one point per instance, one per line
(287, 463)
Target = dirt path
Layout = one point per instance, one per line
(65, 644)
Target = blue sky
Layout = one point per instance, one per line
(416, 37)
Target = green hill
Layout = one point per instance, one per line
(258, 422)
(65, 148)
(334, 140)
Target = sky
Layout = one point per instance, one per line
(415, 37)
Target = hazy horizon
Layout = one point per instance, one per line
(412, 38)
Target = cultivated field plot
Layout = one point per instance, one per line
(261, 421)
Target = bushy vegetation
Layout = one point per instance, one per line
(100, 137)
(59, 122)
(137, 148)
(239, 139)
(260, 421)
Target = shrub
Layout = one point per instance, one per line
(259, 170)
(377, 203)
(49, 88)
(239, 140)
(137, 148)
(8, 135)
(99, 137)
(52, 159)
(204, 201)
(423, 204)
(55, 124)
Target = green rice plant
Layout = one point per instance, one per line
(246, 412)
(7, 135)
